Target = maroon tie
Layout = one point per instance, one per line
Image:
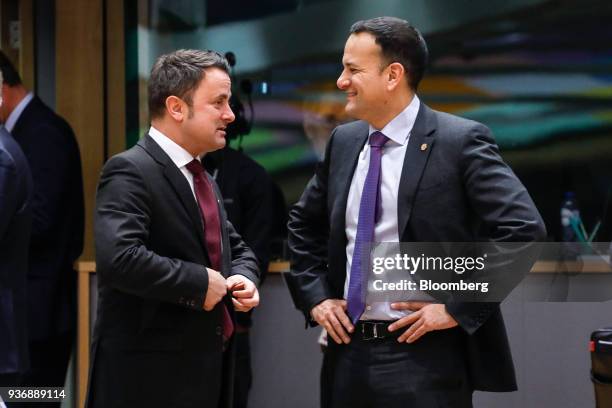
(212, 229)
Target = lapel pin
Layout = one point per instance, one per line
(424, 147)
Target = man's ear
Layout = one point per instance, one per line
(394, 75)
(176, 107)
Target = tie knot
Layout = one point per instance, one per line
(377, 139)
(195, 167)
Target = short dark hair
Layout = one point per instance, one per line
(399, 42)
(179, 73)
(10, 74)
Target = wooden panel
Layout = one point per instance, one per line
(83, 330)
(79, 90)
(26, 50)
(80, 100)
(115, 63)
(571, 267)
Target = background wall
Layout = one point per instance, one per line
(549, 344)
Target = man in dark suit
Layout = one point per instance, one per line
(57, 228)
(166, 254)
(15, 224)
(403, 173)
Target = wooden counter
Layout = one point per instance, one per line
(85, 269)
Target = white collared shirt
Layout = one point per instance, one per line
(16, 113)
(386, 230)
(179, 156)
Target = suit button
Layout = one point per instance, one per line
(219, 330)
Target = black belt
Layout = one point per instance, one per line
(375, 329)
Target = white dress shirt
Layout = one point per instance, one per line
(386, 230)
(16, 113)
(179, 156)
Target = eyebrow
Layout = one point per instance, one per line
(224, 95)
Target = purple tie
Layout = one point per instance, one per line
(369, 214)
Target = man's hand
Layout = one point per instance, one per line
(245, 295)
(216, 289)
(331, 314)
(426, 317)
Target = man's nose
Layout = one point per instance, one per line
(229, 115)
(342, 82)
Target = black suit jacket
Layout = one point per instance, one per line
(458, 189)
(57, 228)
(153, 343)
(15, 224)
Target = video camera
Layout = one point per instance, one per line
(241, 126)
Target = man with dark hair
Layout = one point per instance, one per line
(166, 254)
(57, 227)
(402, 173)
(15, 224)
(398, 42)
(179, 74)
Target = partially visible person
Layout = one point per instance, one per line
(171, 268)
(321, 116)
(57, 227)
(15, 224)
(248, 198)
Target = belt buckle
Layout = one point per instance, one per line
(365, 333)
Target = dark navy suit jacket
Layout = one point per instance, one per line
(57, 228)
(454, 187)
(15, 223)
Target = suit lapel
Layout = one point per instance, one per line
(178, 183)
(417, 152)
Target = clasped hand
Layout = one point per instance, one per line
(245, 295)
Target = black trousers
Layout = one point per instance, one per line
(382, 373)
(9, 380)
(49, 360)
(243, 376)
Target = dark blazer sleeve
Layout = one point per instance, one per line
(244, 261)
(122, 220)
(308, 241)
(257, 216)
(240, 259)
(506, 211)
(50, 177)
